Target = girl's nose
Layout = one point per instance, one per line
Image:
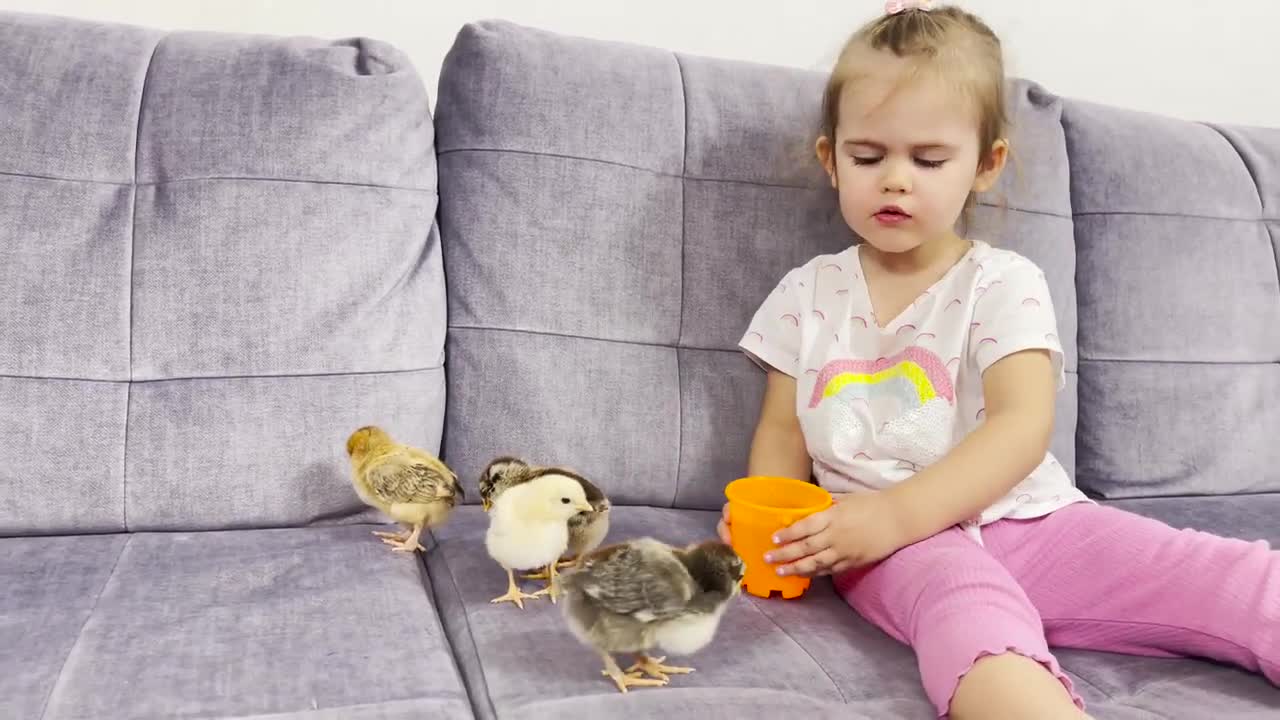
(897, 179)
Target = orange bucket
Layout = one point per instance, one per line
(758, 507)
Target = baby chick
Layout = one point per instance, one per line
(498, 475)
(586, 529)
(410, 486)
(640, 594)
(529, 528)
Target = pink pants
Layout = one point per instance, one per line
(1086, 576)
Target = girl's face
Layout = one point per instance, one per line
(905, 157)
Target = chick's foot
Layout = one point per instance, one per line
(514, 594)
(654, 668)
(405, 543)
(624, 680)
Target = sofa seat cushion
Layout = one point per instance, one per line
(527, 663)
(810, 655)
(49, 588)
(292, 623)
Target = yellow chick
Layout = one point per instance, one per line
(410, 486)
(586, 530)
(529, 528)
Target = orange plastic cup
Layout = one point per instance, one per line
(758, 507)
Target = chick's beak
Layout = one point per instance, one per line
(584, 507)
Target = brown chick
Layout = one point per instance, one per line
(410, 486)
(641, 594)
(587, 529)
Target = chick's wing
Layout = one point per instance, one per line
(404, 479)
(644, 580)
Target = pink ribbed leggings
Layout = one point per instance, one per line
(1086, 576)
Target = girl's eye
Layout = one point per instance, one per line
(866, 160)
(930, 164)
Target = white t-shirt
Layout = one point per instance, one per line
(877, 404)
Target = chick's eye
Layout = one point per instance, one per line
(564, 500)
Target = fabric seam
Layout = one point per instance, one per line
(214, 178)
(466, 619)
(690, 178)
(44, 709)
(844, 699)
(194, 378)
(133, 245)
(1186, 216)
(684, 244)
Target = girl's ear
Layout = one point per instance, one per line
(991, 166)
(826, 156)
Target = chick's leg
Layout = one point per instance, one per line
(407, 543)
(542, 574)
(654, 668)
(397, 536)
(621, 679)
(514, 594)
(553, 585)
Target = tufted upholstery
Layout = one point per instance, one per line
(1178, 226)
(218, 257)
(612, 216)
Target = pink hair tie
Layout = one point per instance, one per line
(893, 7)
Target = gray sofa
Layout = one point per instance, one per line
(220, 254)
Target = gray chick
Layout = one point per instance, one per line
(586, 529)
(637, 595)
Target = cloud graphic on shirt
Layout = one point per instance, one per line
(921, 436)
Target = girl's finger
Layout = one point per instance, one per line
(811, 565)
(841, 567)
(811, 525)
(804, 547)
(722, 529)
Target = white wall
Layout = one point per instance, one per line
(1198, 59)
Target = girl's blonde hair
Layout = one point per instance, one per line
(951, 44)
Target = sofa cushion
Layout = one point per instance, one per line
(219, 258)
(1179, 307)
(813, 654)
(50, 588)
(291, 623)
(70, 96)
(612, 215)
(525, 663)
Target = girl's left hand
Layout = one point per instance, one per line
(860, 529)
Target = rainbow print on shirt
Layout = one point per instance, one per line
(910, 380)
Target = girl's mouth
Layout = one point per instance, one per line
(891, 215)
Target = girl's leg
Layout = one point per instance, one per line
(960, 610)
(1106, 579)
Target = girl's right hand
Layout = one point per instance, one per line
(722, 528)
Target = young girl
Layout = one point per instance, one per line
(915, 375)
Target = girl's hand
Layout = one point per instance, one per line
(722, 528)
(860, 529)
